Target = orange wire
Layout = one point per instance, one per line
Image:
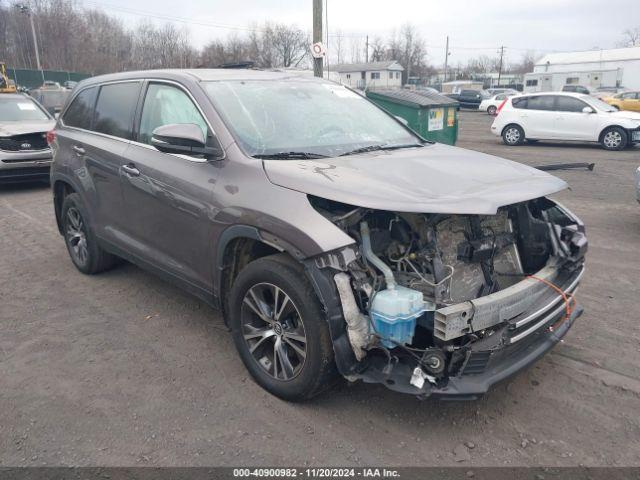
(566, 297)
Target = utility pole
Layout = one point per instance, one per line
(366, 54)
(501, 52)
(446, 58)
(326, 29)
(317, 35)
(27, 11)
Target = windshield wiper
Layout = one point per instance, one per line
(289, 155)
(384, 146)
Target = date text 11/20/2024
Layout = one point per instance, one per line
(316, 472)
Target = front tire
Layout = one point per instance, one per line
(279, 329)
(81, 242)
(614, 138)
(492, 110)
(513, 135)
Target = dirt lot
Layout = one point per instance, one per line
(123, 369)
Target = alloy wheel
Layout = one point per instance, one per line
(76, 236)
(612, 139)
(512, 135)
(273, 331)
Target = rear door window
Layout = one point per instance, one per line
(541, 102)
(115, 109)
(521, 103)
(80, 111)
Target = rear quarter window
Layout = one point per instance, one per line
(115, 109)
(80, 111)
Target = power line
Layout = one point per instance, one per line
(189, 21)
(144, 13)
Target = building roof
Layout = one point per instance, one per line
(463, 82)
(591, 56)
(420, 98)
(366, 67)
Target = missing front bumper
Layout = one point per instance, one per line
(486, 364)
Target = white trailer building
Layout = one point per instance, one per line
(370, 75)
(618, 67)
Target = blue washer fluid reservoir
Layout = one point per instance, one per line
(394, 312)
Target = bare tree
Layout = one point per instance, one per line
(356, 50)
(631, 37)
(526, 64)
(378, 48)
(408, 48)
(291, 45)
(75, 38)
(338, 46)
(261, 48)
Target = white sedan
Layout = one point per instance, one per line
(490, 105)
(565, 116)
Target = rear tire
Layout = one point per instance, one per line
(81, 242)
(614, 138)
(280, 330)
(513, 135)
(492, 110)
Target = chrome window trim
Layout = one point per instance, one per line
(105, 135)
(197, 105)
(177, 155)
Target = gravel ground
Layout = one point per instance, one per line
(122, 369)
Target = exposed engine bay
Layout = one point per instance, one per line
(427, 297)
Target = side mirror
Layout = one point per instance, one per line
(186, 139)
(588, 110)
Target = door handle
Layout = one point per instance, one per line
(131, 170)
(78, 150)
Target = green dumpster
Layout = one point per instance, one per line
(431, 115)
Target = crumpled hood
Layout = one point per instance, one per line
(432, 179)
(8, 129)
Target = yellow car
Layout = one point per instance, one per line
(625, 101)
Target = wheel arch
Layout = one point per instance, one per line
(513, 124)
(609, 127)
(61, 188)
(241, 244)
(237, 246)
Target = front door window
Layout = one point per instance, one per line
(164, 105)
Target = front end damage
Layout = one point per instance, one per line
(447, 305)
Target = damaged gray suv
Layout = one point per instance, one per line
(334, 239)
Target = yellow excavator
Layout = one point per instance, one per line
(6, 86)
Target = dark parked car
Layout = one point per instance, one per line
(470, 98)
(24, 153)
(578, 89)
(332, 237)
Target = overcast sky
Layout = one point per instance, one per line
(474, 27)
